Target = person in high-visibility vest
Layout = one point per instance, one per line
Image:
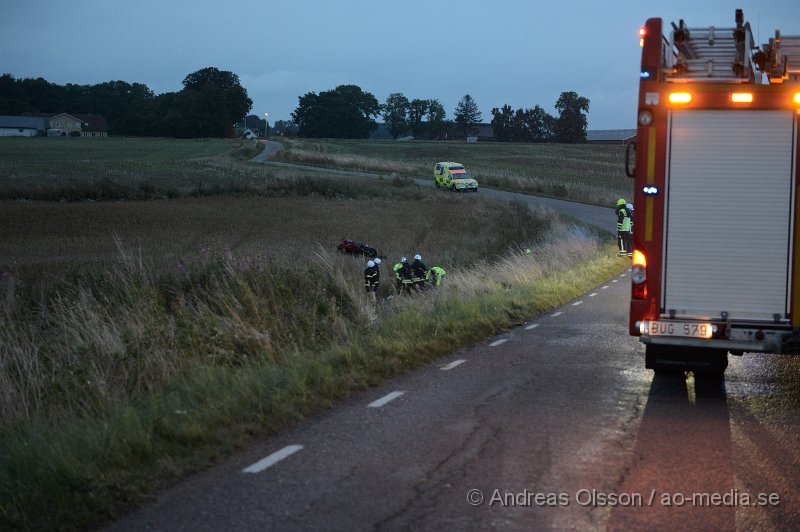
(398, 276)
(435, 275)
(623, 226)
(403, 274)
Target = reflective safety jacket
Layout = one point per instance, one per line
(435, 274)
(623, 219)
(371, 278)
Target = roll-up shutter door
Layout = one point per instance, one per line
(728, 212)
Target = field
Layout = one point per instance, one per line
(145, 337)
(580, 172)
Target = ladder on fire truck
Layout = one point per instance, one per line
(729, 55)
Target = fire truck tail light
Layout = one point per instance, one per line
(639, 275)
(797, 98)
(680, 97)
(742, 97)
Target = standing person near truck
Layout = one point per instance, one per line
(623, 226)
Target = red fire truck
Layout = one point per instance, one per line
(716, 264)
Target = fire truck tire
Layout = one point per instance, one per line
(669, 359)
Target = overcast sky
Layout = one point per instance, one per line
(517, 52)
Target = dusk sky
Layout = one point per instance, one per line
(517, 52)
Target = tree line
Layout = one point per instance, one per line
(212, 100)
(536, 125)
(209, 103)
(349, 112)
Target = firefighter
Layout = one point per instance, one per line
(629, 245)
(371, 278)
(377, 262)
(398, 276)
(406, 274)
(403, 274)
(435, 274)
(419, 272)
(623, 226)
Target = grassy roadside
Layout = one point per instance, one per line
(80, 470)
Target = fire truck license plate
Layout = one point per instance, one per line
(676, 328)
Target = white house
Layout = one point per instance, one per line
(22, 126)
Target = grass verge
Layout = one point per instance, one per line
(73, 471)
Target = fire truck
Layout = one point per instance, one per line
(716, 263)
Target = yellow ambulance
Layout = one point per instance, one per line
(453, 176)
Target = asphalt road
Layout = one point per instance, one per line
(557, 425)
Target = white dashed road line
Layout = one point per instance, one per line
(272, 459)
(385, 399)
(556, 314)
(593, 294)
(531, 326)
(614, 280)
(452, 364)
(606, 286)
(498, 342)
(577, 303)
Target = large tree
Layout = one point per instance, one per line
(344, 112)
(437, 119)
(522, 125)
(395, 114)
(416, 115)
(502, 123)
(570, 126)
(467, 115)
(216, 99)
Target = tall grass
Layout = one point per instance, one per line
(142, 339)
(112, 380)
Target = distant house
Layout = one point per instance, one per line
(22, 126)
(484, 133)
(85, 124)
(610, 136)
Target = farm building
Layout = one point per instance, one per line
(610, 136)
(87, 125)
(22, 126)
